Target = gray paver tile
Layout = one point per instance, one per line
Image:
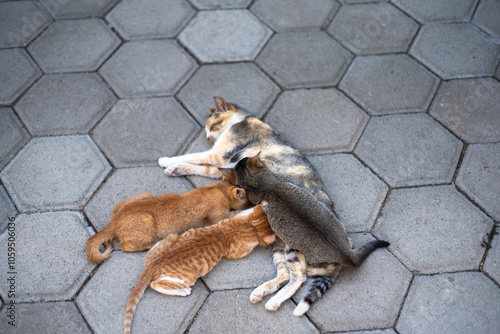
(63, 173)
(294, 14)
(492, 263)
(17, 73)
(243, 84)
(78, 9)
(49, 248)
(73, 46)
(389, 84)
(379, 331)
(148, 68)
(373, 28)
(290, 60)
(357, 193)
(216, 4)
(455, 50)
(433, 230)
(137, 132)
(126, 183)
(443, 10)
(54, 318)
(13, 136)
(329, 113)
(225, 35)
(360, 1)
(135, 19)
(486, 17)
(7, 209)
(103, 299)
(453, 303)
(219, 315)
(409, 150)
(469, 108)
(368, 297)
(497, 73)
(20, 22)
(248, 272)
(65, 104)
(479, 176)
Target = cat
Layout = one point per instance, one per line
(315, 243)
(141, 221)
(174, 264)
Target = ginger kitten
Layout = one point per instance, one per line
(175, 263)
(138, 223)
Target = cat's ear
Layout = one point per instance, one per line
(211, 110)
(229, 174)
(255, 163)
(220, 104)
(239, 193)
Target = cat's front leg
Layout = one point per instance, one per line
(201, 170)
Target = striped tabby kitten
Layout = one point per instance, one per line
(174, 264)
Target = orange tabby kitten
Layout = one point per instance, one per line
(141, 221)
(175, 263)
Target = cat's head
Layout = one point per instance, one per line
(258, 219)
(237, 196)
(247, 173)
(219, 118)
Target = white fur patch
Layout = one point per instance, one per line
(171, 279)
(245, 212)
(302, 308)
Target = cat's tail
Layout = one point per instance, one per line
(360, 254)
(316, 289)
(134, 299)
(105, 236)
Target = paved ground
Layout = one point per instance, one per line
(397, 103)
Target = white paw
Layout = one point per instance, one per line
(256, 297)
(302, 308)
(272, 305)
(166, 162)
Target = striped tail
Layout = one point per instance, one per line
(134, 299)
(316, 289)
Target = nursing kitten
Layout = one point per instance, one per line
(316, 244)
(141, 221)
(175, 263)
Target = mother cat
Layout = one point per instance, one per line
(239, 135)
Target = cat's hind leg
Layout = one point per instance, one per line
(172, 286)
(273, 285)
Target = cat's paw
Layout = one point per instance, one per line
(166, 162)
(272, 305)
(256, 297)
(177, 170)
(301, 309)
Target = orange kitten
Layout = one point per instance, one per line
(141, 221)
(175, 263)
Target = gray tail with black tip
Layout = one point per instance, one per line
(362, 253)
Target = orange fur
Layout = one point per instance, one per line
(141, 221)
(176, 262)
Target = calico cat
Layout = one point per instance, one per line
(315, 242)
(175, 263)
(141, 221)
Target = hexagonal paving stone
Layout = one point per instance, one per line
(73, 46)
(54, 318)
(389, 84)
(373, 28)
(357, 193)
(469, 108)
(63, 173)
(78, 9)
(65, 104)
(103, 299)
(455, 50)
(248, 272)
(329, 113)
(379, 331)
(232, 312)
(487, 17)
(7, 209)
(148, 68)
(216, 4)
(225, 35)
(243, 84)
(149, 19)
(453, 303)
(20, 22)
(433, 229)
(442, 10)
(17, 73)
(290, 60)
(479, 176)
(138, 132)
(13, 136)
(368, 297)
(409, 150)
(126, 183)
(49, 247)
(492, 263)
(294, 14)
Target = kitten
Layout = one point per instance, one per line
(316, 243)
(175, 263)
(141, 221)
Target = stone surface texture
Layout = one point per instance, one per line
(394, 102)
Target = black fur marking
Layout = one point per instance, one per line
(317, 289)
(235, 154)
